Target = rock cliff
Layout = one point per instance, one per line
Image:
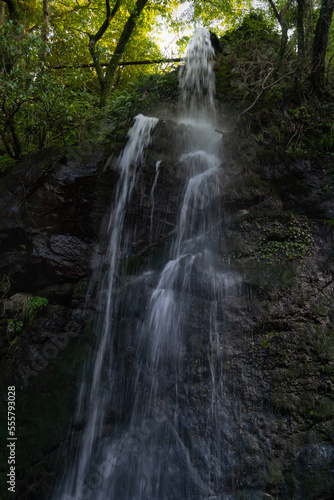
(275, 354)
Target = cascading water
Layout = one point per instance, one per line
(147, 454)
(157, 167)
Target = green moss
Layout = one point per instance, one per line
(281, 400)
(280, 239)
(318, 308)
(317, 480)
(267, 339)
(254, 182)
(270, 275)
(324, 410)
(223, 77)
(271, 476)
(305, 387)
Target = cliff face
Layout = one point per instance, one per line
(275, 350)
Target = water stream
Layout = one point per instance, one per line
(144, 364)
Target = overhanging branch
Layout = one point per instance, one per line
(122, 63)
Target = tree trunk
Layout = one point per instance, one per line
(2, 13)
(110, 14)
(282, 49)
(300, 38)
(45, 28)
(119, 50)
(320, 43)
(12, 10)
(284, 37)
(6, 143)
(308, 26)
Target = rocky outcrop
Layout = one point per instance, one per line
(274, 353)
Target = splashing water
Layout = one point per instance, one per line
(157, 169)
(197, 79)
(146, 456)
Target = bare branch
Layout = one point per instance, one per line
(285, 8)
(278, 17)
(123, 63)
(263, 88)
(257, 98)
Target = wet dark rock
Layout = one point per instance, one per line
(67, 255)
(274, 351)
(312, 473)
(215, 42)
(50, 213)
(58, 293)
(305, 187)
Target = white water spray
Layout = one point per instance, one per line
(157, 170)
(197, 79)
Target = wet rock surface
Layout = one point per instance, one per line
(271, 432)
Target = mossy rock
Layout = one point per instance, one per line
(269, 276)
(311, 475)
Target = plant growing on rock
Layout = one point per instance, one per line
(277, 241)
(34, 305)
(31, 308)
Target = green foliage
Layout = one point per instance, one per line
(297, 244)
(40, 105)
(34, 305)
(138, 97)
(223, 12)
(252, 27)
(326, 143)
(14, 326)
(277, 242)
(266, 340)
(31, 307)
(312, 127)
(36, 107)
(125, 104)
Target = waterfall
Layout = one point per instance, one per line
(157, 168)
(197, 79)
(93, 397)
(146, 454)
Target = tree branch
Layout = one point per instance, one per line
(285, 8)
(122, 63)
(68, 130)
(95, 38)
(257, 98)
(277, 15)
(119, 50)
(263, 88)
(12, 8)
(6, 143)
